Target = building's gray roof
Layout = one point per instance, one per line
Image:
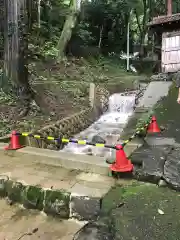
(165, 19)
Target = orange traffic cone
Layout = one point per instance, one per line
(122, 164)
(153, 126)
(14, 143)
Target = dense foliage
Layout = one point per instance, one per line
(43, 41)
(100, 23)
(46, 30)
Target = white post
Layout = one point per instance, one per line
(92, 93)
(39, 13)
(128, 28)
(128, 46)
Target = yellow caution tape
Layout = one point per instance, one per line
(99, 145)
(37, 136)
(64, 140)
(84, 142)
(25, 134)
(50, 138)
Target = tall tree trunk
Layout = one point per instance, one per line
(16, 50)
(142, 27)
(67, 29)
(11, 41)
(100, 36)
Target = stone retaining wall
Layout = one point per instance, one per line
(66, 127)
(54, 202)
(60, 203)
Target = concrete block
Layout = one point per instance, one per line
(172, 168)
(153, 160)
(154, 92)
(84, 208)
(85, 202)
(33, 197)
(3, 181)
(14, 191)
(62, 159)
(131, 147)
(141, 110)
(158, 141)
(56, 203)
(95, 180)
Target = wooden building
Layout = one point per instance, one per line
(166, 31)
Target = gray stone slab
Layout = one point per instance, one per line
(159, 141)
(172, 168)
(154, 92)
(85, 203)
(84, 208)
(153, 159)
(82, 162)
(141, 109)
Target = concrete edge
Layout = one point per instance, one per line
(146, 112)
(5, 138)
(154, 92)
(92, 164)
(55, 202)
(66, 160)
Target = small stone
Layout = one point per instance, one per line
(162, 183)
(89, 151)
(98, 139)
(110, 160)
(160, 212)
(162, 128)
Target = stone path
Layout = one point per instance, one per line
(16, 221)
(168, 116)
(56, 191)
(160, 155)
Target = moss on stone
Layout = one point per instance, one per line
(14, 191)
(3, 182)
(33, 197)
(57, 203)
(145, 119)
(118, 193)
(141, 210)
